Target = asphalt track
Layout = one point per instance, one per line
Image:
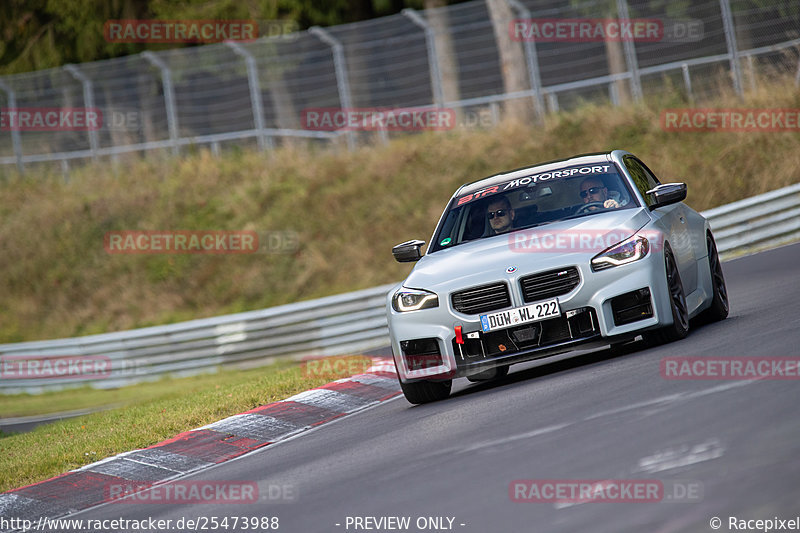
(734, 444)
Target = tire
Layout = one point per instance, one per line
(492, 373)
(719, 302)
(426, 391)
(677, 303)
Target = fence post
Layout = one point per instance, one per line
(730, 41)
(433, 60)
(552, 100)
(751, 72)
(88, 101)
(16, 140)
(532, 59)
(340, 67)
(687, 81)
(613, 94)
(630, 53)
(255, 92)
(169, 98)
(797, 76)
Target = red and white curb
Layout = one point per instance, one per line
(202, 447)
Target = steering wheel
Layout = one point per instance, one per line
(588, 207)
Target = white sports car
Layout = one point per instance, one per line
(587, 251)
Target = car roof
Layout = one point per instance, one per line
(582, 159)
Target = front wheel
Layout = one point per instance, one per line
(426, 391)
(677, 299)
(719, 301)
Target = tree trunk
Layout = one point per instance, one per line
(445, 51)
(615, 56)
(512, 61)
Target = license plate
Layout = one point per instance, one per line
(520, 315)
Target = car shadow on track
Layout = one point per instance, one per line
(544, 368)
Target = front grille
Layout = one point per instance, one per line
(481, 299)
(549, 284)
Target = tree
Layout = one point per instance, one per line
(512, 60)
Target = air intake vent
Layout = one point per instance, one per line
(481, 299)
(549, 284)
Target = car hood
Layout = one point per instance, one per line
(549, 246)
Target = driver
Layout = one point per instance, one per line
(500, 215)
(593, 190)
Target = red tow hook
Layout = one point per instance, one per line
(459, 338)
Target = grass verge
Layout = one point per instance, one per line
(153, 412)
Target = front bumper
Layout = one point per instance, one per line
(424, 342)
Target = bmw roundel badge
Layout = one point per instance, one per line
(511, 270)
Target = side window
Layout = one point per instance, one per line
(642, 177)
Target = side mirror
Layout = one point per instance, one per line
(408, 251)
(666, 194)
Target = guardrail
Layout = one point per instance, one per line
(761, 221)
(345, 323)
(341, 324)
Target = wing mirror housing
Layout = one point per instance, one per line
(409, 251)
(666, 194)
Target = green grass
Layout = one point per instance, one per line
(153, 412)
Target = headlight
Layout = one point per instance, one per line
(627, 251)
(413, 300)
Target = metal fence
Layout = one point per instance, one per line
(343, 324)
(253, 94)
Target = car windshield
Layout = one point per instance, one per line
(533, 200)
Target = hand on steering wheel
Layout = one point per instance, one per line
(591, 206)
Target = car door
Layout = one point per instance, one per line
(672, 219)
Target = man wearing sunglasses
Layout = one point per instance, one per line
(500, 215)
(593, 190)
